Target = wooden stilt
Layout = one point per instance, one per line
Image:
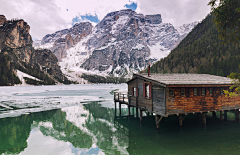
(237, 115)
(120, 111)
(141, 115)
(157, 120)
(225, 114)
(133, 111)
(115, 108)
(129, 110)
(204, 118)
(221, 116)
(214, 115)
(180, 120)
(137, 112)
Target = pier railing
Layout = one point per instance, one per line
(121, 97)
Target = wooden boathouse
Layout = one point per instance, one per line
(179, 94)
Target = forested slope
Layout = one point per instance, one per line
(201, 52)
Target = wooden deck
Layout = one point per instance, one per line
(121, 97)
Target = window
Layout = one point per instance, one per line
(147, 90)
(171, 92)
(195, 91)
(134, 91)
(210, 91)
(182, 91)
(203, 91)
(222, 91)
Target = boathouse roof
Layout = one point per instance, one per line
(184, 79)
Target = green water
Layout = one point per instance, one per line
(84, 122)
(96, 130)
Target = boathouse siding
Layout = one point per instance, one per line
(171, 94)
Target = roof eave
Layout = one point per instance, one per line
(151, 80)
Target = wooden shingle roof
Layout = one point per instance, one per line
(185, 79)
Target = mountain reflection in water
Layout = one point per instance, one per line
(93, 129)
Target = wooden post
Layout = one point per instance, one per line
(221, 116)
(180, 120)
(157, 120)
(129, 110)
(237, 115)
(214, 115)
(204, 118)
(141, 115)
(123, 98)
(137, 112)
(225, 114)
(133, 111)
(120, 111)
(115, 107)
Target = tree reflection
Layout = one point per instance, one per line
(15, 131)
(110, 140)
(67, 131)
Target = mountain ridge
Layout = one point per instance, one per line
(124, 42)
(17, 53)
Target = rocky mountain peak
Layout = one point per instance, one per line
(122, 43)
(3, 19)
(153, 19)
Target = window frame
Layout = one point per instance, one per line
(221, 91)
(147, 91)
(171, 90)
(203, 91)
(182, 91)
(195, 90)
(210, 91)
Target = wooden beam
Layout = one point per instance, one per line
(136, 112)
(158, 120)
(214, 115)
(129, 110)
(141, 115)
(180, 120)
(204, 118)
(115, 107)
(120, 111)
(225, 114)
(237, 115)
(221, 116)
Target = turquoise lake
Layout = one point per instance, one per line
(81, 119)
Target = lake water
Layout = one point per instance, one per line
(80, 119)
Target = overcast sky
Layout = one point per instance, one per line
(48, 16)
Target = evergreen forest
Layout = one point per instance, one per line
(101, 79)
(201, 52)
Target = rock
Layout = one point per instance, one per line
(48, 62)
(65, 39)
(122, 43)
(16, 42)
(3, 19)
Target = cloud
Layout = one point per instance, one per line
(132, 6)
(176, 12)
(49, 16)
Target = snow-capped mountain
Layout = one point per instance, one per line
(122, 43)
(60, 41)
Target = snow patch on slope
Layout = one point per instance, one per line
(21, 76)
(158, 52)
